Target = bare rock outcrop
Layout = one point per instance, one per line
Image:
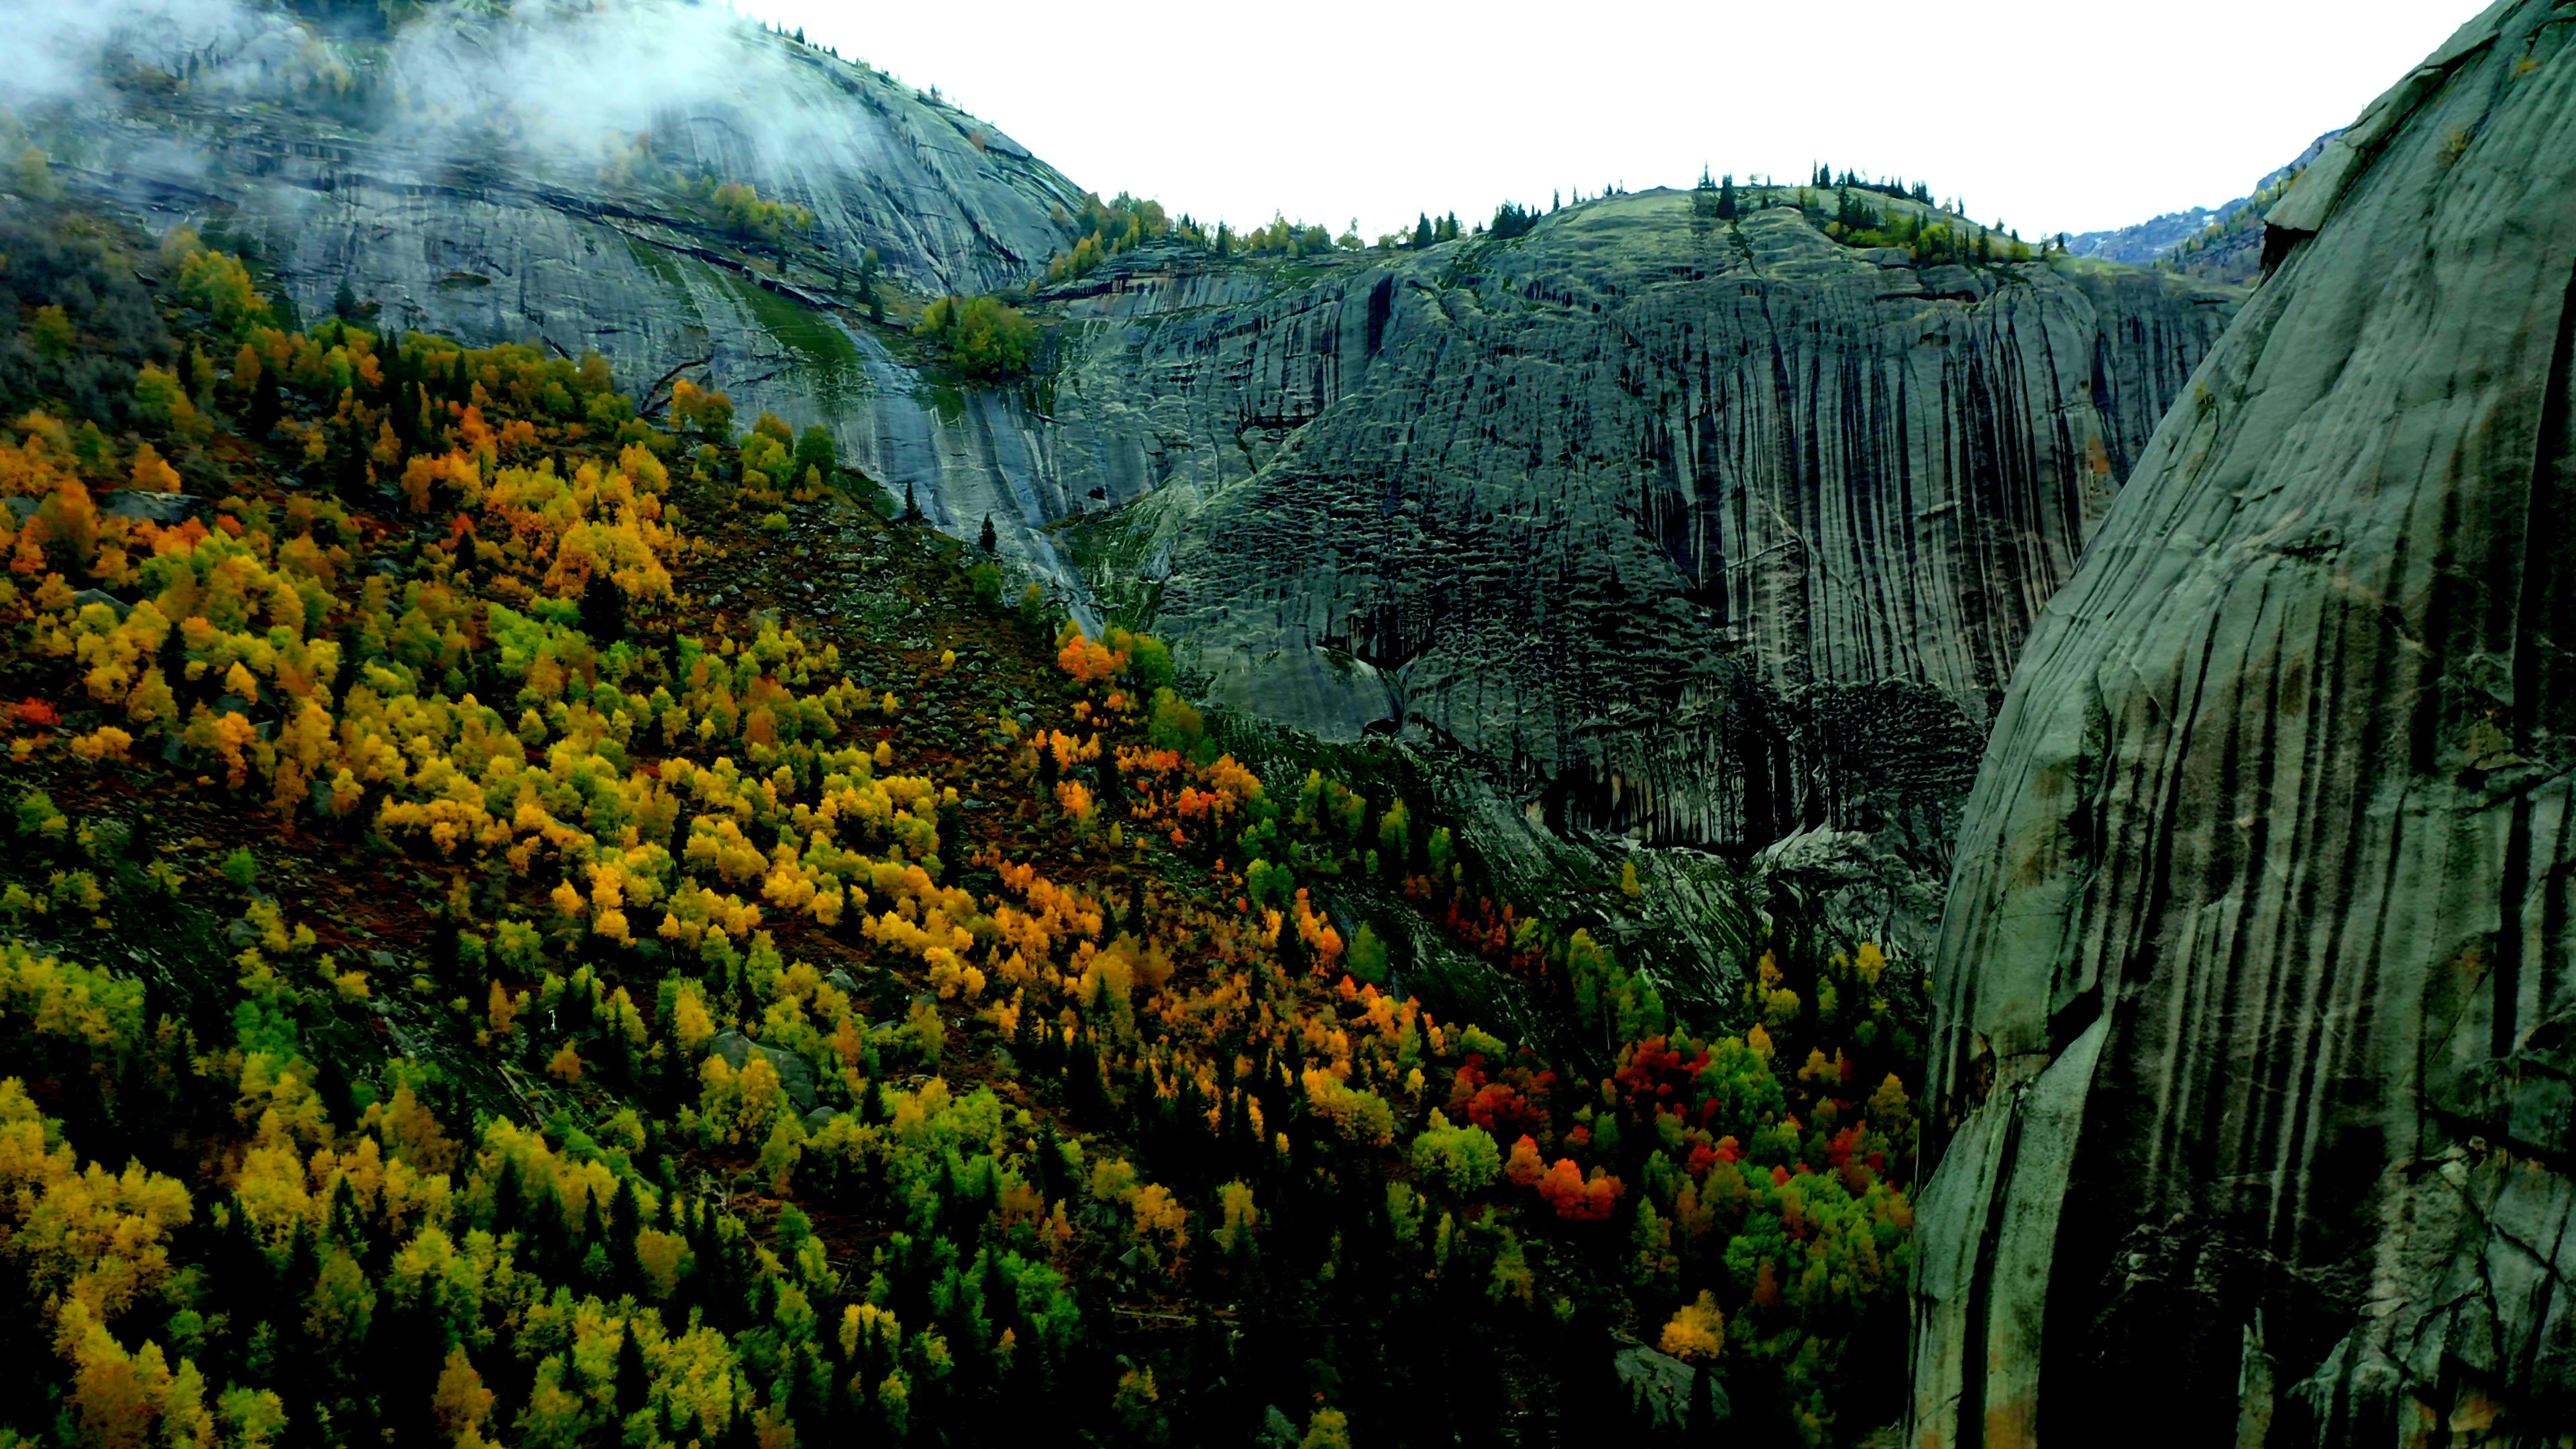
(2256, 994)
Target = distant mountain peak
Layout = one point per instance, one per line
(2171, 236)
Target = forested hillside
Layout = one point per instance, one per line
(532, 923)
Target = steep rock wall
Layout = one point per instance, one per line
(2257, 978)
(1711, 531)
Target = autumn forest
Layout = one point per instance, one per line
(489, 961)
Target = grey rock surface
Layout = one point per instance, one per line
(2254, 998)
(86, 597)
(475, 162)
(1659, 1386)
(153, 507)
(1702, 531)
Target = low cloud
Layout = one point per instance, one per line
(63, 50)
(568, 80)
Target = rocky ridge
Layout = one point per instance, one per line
(2253, 1062)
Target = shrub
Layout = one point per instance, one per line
(739, 209)
(1368, 957)
(985, 337)
(1175, 724)
(1459, 1159)
(815, 451)
(1149, 663)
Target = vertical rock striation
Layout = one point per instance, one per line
(2256, 982)
(1708, 530)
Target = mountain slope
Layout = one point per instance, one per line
(1703, 530)
(591, 946)
(1710, 532)
(2251, 1052)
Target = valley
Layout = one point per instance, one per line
(701, 758)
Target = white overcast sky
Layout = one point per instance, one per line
(2064, 117)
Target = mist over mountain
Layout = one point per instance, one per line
(634, 101)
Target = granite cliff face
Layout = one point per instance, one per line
(1709, 531)
(2257, 977)
(479, 142)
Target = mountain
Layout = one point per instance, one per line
(2251, 1065)
(526, 922)
(526, 170)
(652, 871)
(507, 959)
(2145, 243)
(1701, 532)
(1706, 533)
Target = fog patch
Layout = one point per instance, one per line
(567, 82)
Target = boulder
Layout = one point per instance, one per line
(151, 507)
(86, 597)
(794, 1074)
(2255, 1032)
(1660, 1386)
